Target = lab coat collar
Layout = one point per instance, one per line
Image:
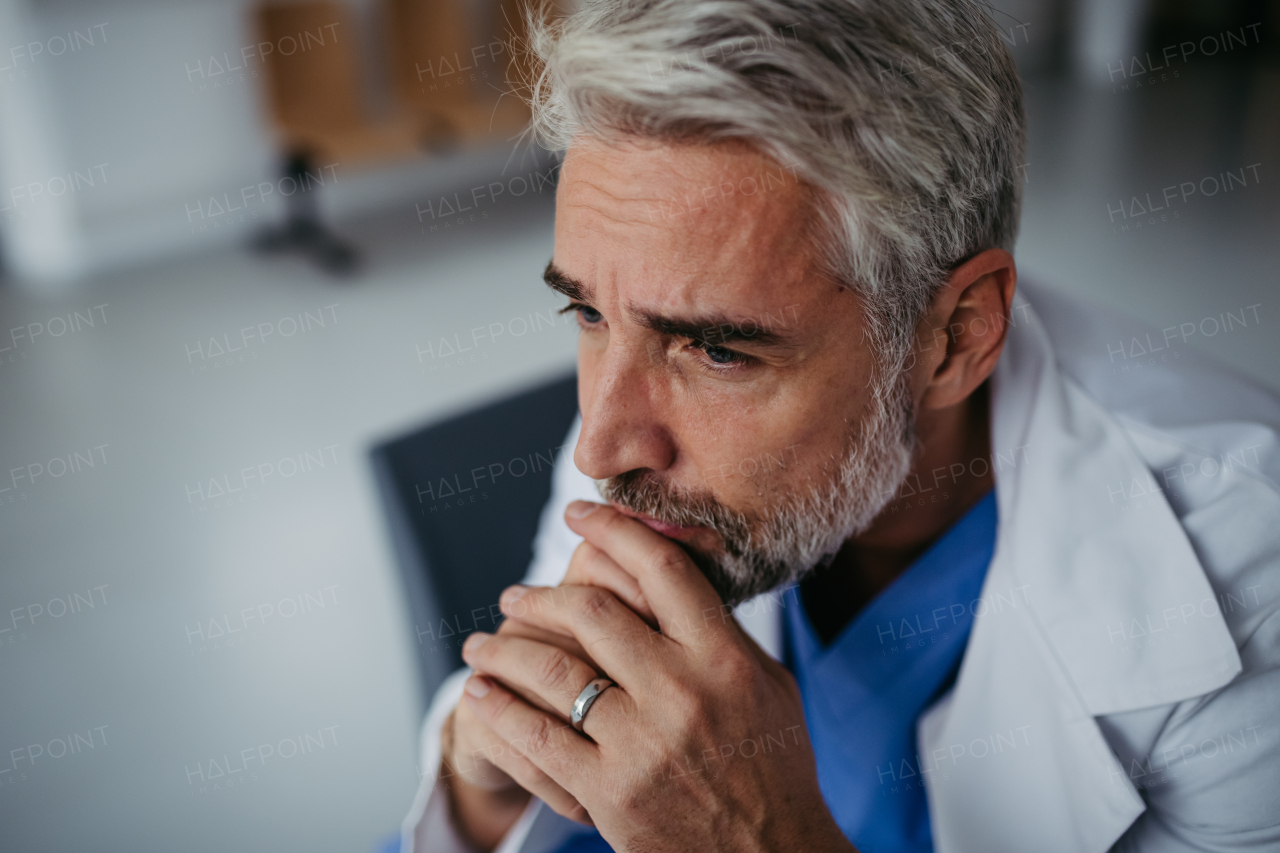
(1113, 621)
(1102, 572)
(1094, 581)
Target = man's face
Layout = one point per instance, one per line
(728, 396)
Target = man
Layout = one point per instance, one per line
(990, 595)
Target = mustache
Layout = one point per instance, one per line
(642, 492)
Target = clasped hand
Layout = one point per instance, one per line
(702, 743)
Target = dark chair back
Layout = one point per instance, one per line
(463, 498)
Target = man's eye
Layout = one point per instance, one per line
(588, 314)
(720, 355)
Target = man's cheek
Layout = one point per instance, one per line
(768, 467)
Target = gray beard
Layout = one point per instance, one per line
(786, 541)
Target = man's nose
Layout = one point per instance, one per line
(621, 428)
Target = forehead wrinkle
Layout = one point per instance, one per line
(701, 251)
(619, 201)
(692, 291)
(606, 216)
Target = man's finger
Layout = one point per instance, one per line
(466, 744)
(544, 675)
(680, 595)
(619, 640)
(533, 780)
(549, 743)
(592, 567)
(516, 628)
(525, 773)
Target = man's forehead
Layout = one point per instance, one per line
(654, 183)
(712, 228)
(642, 159)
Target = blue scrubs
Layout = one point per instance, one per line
(864, 692)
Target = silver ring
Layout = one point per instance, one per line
(586, 699)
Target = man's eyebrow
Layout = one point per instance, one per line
(557, 280)
(717, 329)
(711, 328)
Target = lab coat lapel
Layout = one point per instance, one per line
(1077, 589)
(1107, 575)
(1086, 610)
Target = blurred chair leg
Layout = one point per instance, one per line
(302, 231)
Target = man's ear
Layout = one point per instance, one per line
(961, 336)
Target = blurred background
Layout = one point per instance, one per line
(242, 243)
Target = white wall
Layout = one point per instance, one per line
(134, 104)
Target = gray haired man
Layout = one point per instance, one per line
(989, 596)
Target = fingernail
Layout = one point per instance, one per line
(475, 641)
(513, 594)
(581, 509)
(477, 686)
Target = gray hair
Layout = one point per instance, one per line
(906, 115)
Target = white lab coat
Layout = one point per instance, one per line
(1120, 689)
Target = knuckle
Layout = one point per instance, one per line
(593, 604)
(538, 737)
(667, 562)
(554, 669)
